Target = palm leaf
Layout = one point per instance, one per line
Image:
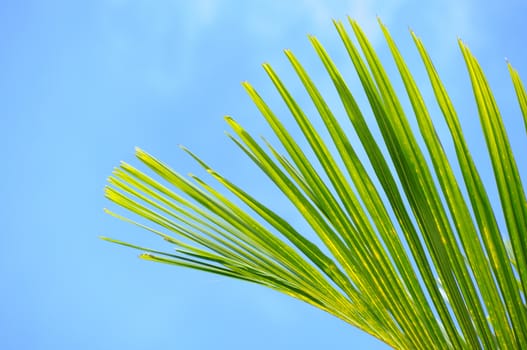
(409, 252)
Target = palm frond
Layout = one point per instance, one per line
(411, 253)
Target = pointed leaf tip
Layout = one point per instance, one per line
(139, 152)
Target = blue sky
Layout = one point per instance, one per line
(83, 82)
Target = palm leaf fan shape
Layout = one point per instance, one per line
(408, 251)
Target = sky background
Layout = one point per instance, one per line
(84, 82)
